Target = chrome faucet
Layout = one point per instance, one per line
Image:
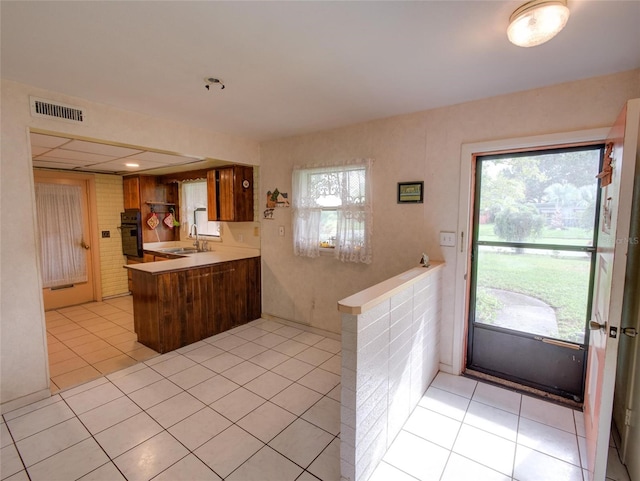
(193, 228)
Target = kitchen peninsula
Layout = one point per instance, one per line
(180, 301)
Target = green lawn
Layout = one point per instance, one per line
(568, 236)
(560, 282)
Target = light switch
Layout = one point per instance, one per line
(281, 230)
(448, 239)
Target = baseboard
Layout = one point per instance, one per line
(304, 327)
(14, 404)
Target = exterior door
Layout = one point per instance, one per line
(626, 399)
(611, 267)
(629, 400)
(532, 266)
(77, 289)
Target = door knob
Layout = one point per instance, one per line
(630, 331)
(85, 245)
(595, 325)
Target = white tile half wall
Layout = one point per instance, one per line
(390, 355)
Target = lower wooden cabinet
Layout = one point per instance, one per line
(131, 260)
(177, 308)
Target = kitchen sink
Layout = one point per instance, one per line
(179, 250)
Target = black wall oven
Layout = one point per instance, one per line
(131, 229)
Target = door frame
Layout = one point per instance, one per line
(94, 252)
(465, 218)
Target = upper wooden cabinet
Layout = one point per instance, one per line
(230, 194)
(131, 189)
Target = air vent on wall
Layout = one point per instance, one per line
(48, 109)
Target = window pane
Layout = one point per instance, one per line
(545, 199)
(328, 228)
(541, 292)
(194, 209)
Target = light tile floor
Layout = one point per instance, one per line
(90, 340)
(261, 402)
(468, 430)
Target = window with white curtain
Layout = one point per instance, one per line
(332, 210)
(194, 210)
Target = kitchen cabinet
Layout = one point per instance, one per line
(147, 257)
(178, 307)
(131, 191)
(131, 260)
(230, 194)
(146, 194)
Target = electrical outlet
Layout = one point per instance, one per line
(106, 234)
(448, 239)
(281, 230)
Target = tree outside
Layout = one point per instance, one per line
(542, 199)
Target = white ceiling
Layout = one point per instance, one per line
(296, 67)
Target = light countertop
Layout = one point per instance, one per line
(217, 255)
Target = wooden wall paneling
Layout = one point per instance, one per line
(225, 194)
(145, 310)
(212, 196)
(174, 309)
(243, 197)
(170, 310)
(254, 296)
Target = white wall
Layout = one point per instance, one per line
(421, 146)
(390, 356)
(24, 371)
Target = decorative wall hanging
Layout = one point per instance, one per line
(411, 192)
(277, 199)
(153, 221)
(268, 214)
(607, 168)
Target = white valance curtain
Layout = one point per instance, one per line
(59, 212)
(345, 188)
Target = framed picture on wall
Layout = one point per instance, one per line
(411, 192)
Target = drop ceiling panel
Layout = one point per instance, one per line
(48, 141)
(163, 158)
(35, 150)
(74, 162)
(53, 165)
(118, 166)
(102, 149)
(86, 157)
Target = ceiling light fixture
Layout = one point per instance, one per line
(131, 164)
(536, 22)
(213, 81)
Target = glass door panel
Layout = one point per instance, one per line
(538, 291)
